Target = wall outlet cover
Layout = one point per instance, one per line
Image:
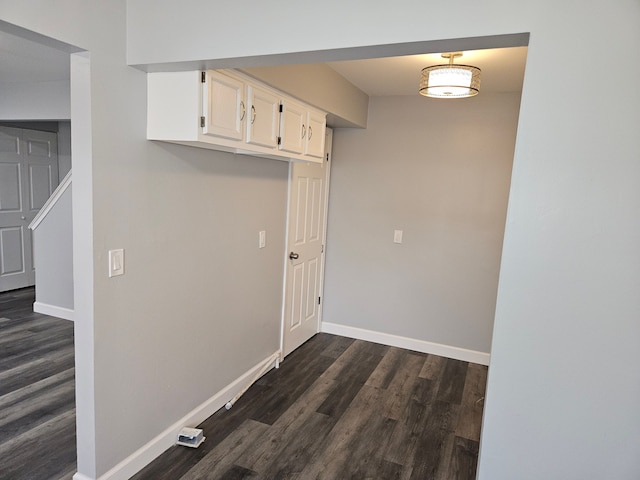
(116, 262)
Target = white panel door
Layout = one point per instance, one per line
(305, 251)
(28, 176)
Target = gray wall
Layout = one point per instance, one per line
(439, 171)
(64, 149)
(35, 100)
(567, 309)
(563, 395)
(199, 304)
(53, 251)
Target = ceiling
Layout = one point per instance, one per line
(502, 71)
(502, 68)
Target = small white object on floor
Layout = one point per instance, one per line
(190, 437)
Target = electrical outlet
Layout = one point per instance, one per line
(116, 262)
(262, 239)
(397, 236)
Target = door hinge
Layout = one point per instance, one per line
(321, 248)
(281, 108)
(202, 122)
(318, 300)
(203, 77)
(279, 140)
(327, 157)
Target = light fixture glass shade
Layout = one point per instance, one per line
(450, 81)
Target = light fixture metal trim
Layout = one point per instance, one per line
(450, 80)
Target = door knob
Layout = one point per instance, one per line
(23, 217)
(293, 256)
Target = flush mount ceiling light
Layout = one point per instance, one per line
(450, 81)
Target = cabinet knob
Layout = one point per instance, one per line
(244, 110)
(253, 114)
(310, 132)
(304, 131)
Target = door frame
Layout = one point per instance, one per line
(327, 158)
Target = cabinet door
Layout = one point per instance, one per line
(316, 125)
(293, 127)
(224, 106)
(262, 122)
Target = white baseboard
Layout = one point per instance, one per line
(408, 343)
(147, 453)
(52, 310)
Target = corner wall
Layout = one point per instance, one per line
(562, 396)
(562, 392)
(439, 171)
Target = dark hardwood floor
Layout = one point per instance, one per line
(336, 409)
(37, 404)
(343, 409)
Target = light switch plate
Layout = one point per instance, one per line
(116, 262)
(397, 236)
(262, 239)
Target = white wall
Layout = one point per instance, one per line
(439, 171)
(562, 392)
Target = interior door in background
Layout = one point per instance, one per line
(28, 176)
(306, 226)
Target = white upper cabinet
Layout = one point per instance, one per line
(293, 128)
(302, 129)
(229, 111)
(316, 127)
(224, 106)
(263, 111)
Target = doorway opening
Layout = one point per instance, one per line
(78, 111)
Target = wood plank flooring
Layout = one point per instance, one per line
(336, 409)
(343, 409)
(37, 392)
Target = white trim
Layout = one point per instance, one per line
(285, 260)
(52, 310)
(328, 161)
(80, 476)
(48, 205)
(423, 346)
(147, 453)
